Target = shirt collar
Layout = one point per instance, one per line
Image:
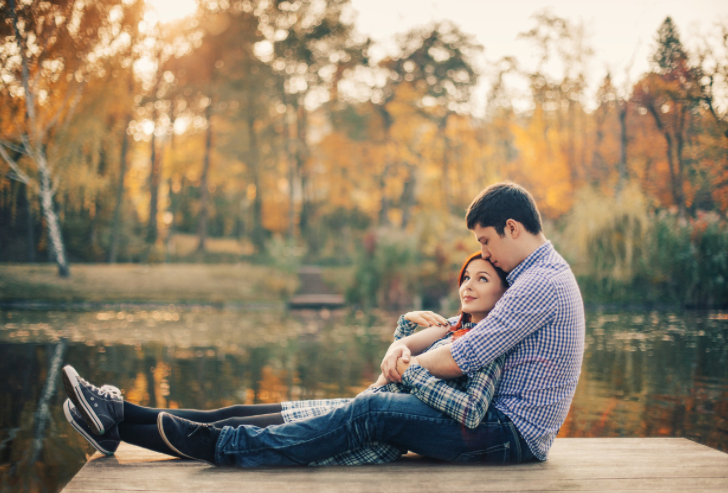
(537, 255)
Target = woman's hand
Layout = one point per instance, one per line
(389, 363)
(426, 318)
(380, 381)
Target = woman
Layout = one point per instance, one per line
(104, 419)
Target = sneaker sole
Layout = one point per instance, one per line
(160, 427)
(70, 383)
(89, 438)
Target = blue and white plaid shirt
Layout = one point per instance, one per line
(465, 399)
(538, 325)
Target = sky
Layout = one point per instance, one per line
(619, 30)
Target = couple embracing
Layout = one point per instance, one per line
(493, 384)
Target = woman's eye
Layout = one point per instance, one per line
(483, 278)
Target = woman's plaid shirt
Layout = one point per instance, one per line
(465, 399)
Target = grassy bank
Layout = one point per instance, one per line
(161, 283)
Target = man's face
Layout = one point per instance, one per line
(498, 249)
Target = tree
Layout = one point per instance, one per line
(669, 94)
(50, 51)
(436, 63)
(310, 50)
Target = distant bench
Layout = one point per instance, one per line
(575, 464)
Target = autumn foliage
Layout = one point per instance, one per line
(262, 120)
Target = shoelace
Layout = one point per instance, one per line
(204, 425)
(104, 390)
(111, 390)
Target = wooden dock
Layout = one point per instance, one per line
(575, 464)
(313, 292)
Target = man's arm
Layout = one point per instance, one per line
(440, 363)
(527, 306)
(407, 343)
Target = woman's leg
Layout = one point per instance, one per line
(140, 415)
(147, 435)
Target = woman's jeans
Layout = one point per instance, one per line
(401, 420)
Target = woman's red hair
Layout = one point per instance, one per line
(465, 317)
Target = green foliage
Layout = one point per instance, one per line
(621, 253)
(285, 255)
(687, 262)
(384, 274)
(670, 53)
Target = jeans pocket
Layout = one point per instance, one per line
(497, 454)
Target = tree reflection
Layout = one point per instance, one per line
(643, 375)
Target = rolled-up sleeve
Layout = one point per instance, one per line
(524, 308)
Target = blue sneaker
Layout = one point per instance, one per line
(106, 443)
(101, 408)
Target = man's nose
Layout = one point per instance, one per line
(484, 252)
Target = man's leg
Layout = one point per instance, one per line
(147, 436)
(401, 420)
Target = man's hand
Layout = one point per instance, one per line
(389, 363)
(403, 365)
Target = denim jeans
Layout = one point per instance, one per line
(401, 420)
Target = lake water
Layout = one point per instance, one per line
(645, 373)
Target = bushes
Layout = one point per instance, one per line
(383, 273)
(687, 261)
(622, 253)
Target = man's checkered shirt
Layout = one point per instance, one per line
(538, 325)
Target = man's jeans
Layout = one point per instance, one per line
(401, 420)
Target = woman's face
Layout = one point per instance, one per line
(480, 290)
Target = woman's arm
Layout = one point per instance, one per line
(467, 408)
(406, 342)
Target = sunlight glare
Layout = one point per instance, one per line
(169, 10)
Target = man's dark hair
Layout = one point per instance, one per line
(501, 202)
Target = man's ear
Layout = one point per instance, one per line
(513, 229)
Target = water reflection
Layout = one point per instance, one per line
(644, 374)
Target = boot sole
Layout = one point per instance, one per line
(89, 438)
(70, 383)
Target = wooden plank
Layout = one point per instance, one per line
(317, 301)
(575, 464)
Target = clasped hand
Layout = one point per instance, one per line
(399, 357)
(401, 365)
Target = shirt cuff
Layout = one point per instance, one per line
(460, 354)
(415, 376)
(406, 324)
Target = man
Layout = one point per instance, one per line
(538, 325)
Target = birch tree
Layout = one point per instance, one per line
(50, 50)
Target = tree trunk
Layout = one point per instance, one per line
(30, 226)
(43, 414)
(445, 167)
(257, 235)
(204, 188)
(291, 156)
(675, 171)
(152, 230)
(384, 205)
(54, 226)
(302, 154)
(408, 197)
(623, 107)
(118, 207)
